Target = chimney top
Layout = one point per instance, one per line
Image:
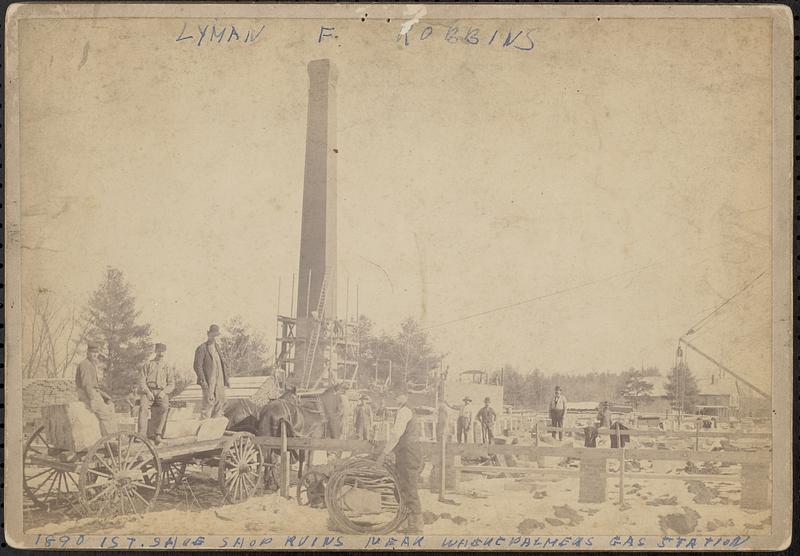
(322, 69)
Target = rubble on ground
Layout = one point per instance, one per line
(682, 524)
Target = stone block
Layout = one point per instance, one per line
(755, 487)
(212, 428)
(592, 480)
(181, 413)
(184, 427)
(71, 426)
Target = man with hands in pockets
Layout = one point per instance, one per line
(212, 375)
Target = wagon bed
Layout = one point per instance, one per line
(124, 472)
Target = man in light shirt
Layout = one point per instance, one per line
(155, 385)
(487, 418)
(464, 422)
(212, 375)
(558, 408)
(87, 384)
(404, 442)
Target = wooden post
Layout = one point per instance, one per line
(621, 468)
(536, 434)
(285, 461)
(756, 486)
(697, 436)
(443, 466)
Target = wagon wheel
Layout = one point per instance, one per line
(311, 489)
(121, 474)
(172, 473)
(50, 487)
(272, 470)
(240, 467)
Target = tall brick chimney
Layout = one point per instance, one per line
(318, 232)
(318, 229)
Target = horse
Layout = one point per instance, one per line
(242, 415)
(302, 418)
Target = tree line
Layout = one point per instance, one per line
(56, 335)
(533, 390)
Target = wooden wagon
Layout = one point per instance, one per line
(124, 472)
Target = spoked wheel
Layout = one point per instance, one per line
(272, 470)
(172, 473)
(49, 479)
(362, 498)
(121, 474)
(311, 489)
(240, 468)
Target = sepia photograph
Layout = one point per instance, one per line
(426, 277)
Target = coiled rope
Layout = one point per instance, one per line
(363, 473)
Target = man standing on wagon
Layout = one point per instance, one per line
(90, 393)
(155, 386)
(212, 375)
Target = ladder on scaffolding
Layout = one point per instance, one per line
(313, 342)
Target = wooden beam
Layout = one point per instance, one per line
(517, 470)
(433, 449)
(705, 478)
(726, 369)
(672, 434)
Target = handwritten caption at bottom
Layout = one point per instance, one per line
(305, 542)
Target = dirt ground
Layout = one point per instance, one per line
(531, 505)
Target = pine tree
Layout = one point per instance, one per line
(682, 388)
(111, 318)
(636, 388)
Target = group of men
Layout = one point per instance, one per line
(156, 383)
(486, 417)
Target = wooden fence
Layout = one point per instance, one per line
(593, 472)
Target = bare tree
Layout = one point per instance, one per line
(245, 349)
(55, 333)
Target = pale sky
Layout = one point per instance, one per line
(634, 157)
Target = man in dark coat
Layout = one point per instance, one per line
(212, 374)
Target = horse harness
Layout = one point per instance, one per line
(292, 408)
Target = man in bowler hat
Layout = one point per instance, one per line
(212, 374)
(487, 418)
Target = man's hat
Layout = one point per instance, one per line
(161, 348)
(213, 330)
(92, 347)
(558, 388)
(467, 399)
(486, 400)
(364, 397)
